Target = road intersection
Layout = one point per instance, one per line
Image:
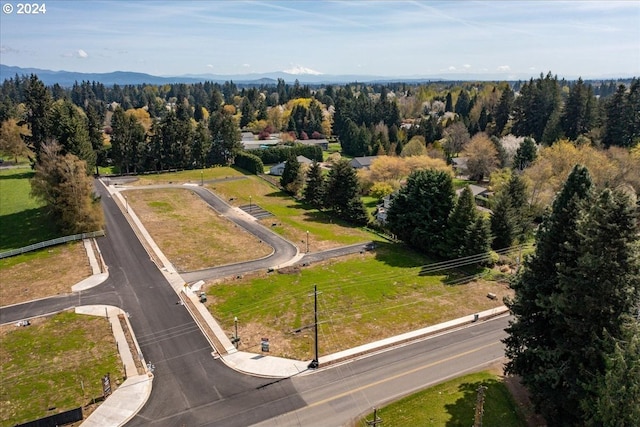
(192, 386)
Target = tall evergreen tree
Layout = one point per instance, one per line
(596, 292)
(419, 213)
(68, 126)
(314, 190)
(201, 146)
(502, 222)
(503, 111)
(226, 138)
(577, 117)
(291, 179)
(531, 346)
(525, 154)
(615, 395)
(461, 220)
(94, 126)
(463, 104)
(342, 193)
(510, 219)
(38, 104)
(449, 103)
(478, 237)
(127, 140)
(534, 107)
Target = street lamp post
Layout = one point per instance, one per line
(307, 241)
(236, 339)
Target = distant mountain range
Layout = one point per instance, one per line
(68, 78)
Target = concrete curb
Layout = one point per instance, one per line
(133, 393)
(269, 366)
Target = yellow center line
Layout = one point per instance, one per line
(373, 384)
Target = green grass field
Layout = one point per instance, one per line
(195, 176)
(452, 404)
(293, 217)
(23, 219)
(365, 297)
(55, 363)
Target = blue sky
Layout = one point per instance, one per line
(415, 38)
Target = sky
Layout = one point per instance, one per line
(501, 39)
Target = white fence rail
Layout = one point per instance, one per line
(53, 242)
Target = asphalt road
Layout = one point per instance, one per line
(191, 388)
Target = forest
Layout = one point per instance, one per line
(559, 160)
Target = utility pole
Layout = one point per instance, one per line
(314, 363)
(479, 407)
(375, 420)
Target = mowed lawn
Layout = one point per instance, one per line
(364, 297)
(291, 218)
(54, 365)
(192, 235)
(452, 404)
(23, 219)
(195, 176)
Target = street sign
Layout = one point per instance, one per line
(106, 385)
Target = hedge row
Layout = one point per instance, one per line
(249, 162)
(280, 154)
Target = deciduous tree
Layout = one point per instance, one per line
(61, 182)
(11, 138)
(482, 157)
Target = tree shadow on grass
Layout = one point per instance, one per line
(398, 255)
(21, 175)
(25, 228)
(499, 408)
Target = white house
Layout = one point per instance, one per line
(279, 168)
(381, 213)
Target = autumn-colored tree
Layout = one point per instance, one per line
(456, 137)
(553, 164)
(11, 139)
(61, 182)
(393, 170)
(482, 157)
(415, 147)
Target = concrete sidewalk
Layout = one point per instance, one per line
(264, 365)
(131, 396)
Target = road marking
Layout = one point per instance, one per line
(373, 384)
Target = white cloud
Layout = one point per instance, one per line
(210, 66)
(504, 68)
(7, 49)
(452, 68)
(82, 54)
(298, 69)
(246, 65)
(467, 66)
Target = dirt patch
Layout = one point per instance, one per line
(191, 234)
(132, 347)
(520, 395)
(49, 272)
